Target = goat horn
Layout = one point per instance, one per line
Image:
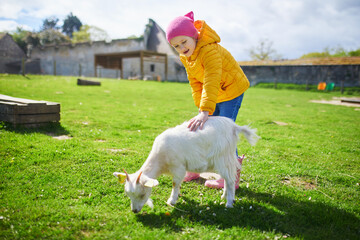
(138, 179)
(127, 175)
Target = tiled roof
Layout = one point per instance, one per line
(308, 61)
(2, 35)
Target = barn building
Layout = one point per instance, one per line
(147, 57)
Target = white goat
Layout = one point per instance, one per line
(178, 150)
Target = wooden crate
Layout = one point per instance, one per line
(26, 112)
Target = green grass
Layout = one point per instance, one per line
(301, 181)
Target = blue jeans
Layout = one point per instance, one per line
(229, 109)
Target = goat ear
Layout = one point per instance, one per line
(121, 176)
(151, 183)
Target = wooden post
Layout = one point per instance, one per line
(307, 82)
(142, 64)
(23, 66)
(358, 70)
(121, 69)
(80, 69)
(166, 67)
(275, 77)
(54, 63)
(347, 78)
(95, 67)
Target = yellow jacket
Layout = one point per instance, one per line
(213, 73)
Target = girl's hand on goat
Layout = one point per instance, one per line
(198, 121)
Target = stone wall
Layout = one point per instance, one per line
(307, 74)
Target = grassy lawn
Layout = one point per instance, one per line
(301, 181)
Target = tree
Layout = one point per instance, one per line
(25, 39)
(83, 35)
(339, 52)
(32, 39)
(332, 52)
(50, 23)
(89, 33)
(316, 55)
(71, 25)
(50, 33)
(19, 37)
(355, 53)
(52, 36)
(98, 34)
(264, 51)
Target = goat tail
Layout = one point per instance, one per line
(249, 134)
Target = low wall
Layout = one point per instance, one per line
(307, 74)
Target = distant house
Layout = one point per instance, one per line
(11, 54)
(146, 57)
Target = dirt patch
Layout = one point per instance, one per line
(278, 123)
(122, 151)
(337, 101)
(281, 123)
(58, 137)
(115, 150)
(62, 137)
(300, 182)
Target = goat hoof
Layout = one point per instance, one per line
(229, 205)
(171, 202)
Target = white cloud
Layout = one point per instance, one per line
(11, 25)
(9, 9)
(296, 27)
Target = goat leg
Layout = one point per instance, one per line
(174, 192)
(229, 192)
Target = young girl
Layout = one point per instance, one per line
(216, 79)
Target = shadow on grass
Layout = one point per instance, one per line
(264, 212)
(51, 129)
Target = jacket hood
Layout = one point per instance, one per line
(206, 36)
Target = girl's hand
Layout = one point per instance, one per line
(198, 121)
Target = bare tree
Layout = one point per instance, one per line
(50, 23)
(264, 51)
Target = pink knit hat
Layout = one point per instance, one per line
(182, 26)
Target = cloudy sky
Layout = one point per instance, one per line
(295, 27)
